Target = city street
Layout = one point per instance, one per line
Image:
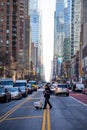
(68, 113)
(43, 44)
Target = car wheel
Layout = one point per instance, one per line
(6, 99)
(55, 94)
(26, 94)
(9, 98)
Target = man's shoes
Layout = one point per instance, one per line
(50, 107)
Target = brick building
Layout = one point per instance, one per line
(13, 14)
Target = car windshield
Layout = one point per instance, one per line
(6, 83)
(32, 82)
(22, 88)
(62, 85)
(54, 85)
(19, 84)
(29, 85)
(1, 90)
(13, 89)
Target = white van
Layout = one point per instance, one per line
(7, 82)
(20, 83)
(79, 87)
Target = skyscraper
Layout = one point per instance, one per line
(58, 36)
(66, 47)
(77, 25)
(59, 28)
(35, 24)
(72, 28)
(33, 5)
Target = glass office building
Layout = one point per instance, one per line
(34, 20)
(66, 47)
(59, 28)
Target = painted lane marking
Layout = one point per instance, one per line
(48, 119)
(44, 120)
(24, 117)
(2, 118)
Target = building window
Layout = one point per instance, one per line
(7, 2)
(7, 42)
(1, 30)
(7, 27)
(7, 31)
(1, 19)
(1, 9)
(2, 3)
(7, 51)
(7, 37)
(1, 41)
(0, 35)
(7, 17)
(61, 37)
(1, 14)
(7, 22)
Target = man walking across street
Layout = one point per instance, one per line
(47, 93)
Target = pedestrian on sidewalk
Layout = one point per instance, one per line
(47, 94)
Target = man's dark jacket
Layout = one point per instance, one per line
(47, 93)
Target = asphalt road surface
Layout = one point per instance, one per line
(67, 114)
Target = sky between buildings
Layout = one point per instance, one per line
(47, 8)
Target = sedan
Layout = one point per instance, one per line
(62, 89)
(52, 88)
(39, 85)
(5, 95)
(30, 89)
(15, 92)
(24, 91)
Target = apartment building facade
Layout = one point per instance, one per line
(12, 35)
(8, 35)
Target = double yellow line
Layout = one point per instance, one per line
(46, 120)
(3, 117)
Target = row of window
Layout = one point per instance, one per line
(2, 3)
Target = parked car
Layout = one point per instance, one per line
(5, 95)
(52, 88)
(78, 87)
(34, 84)
(30, 89)
(62, 89)
(24, 91)
(22, 84)
(39, 85)
(15, 92)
